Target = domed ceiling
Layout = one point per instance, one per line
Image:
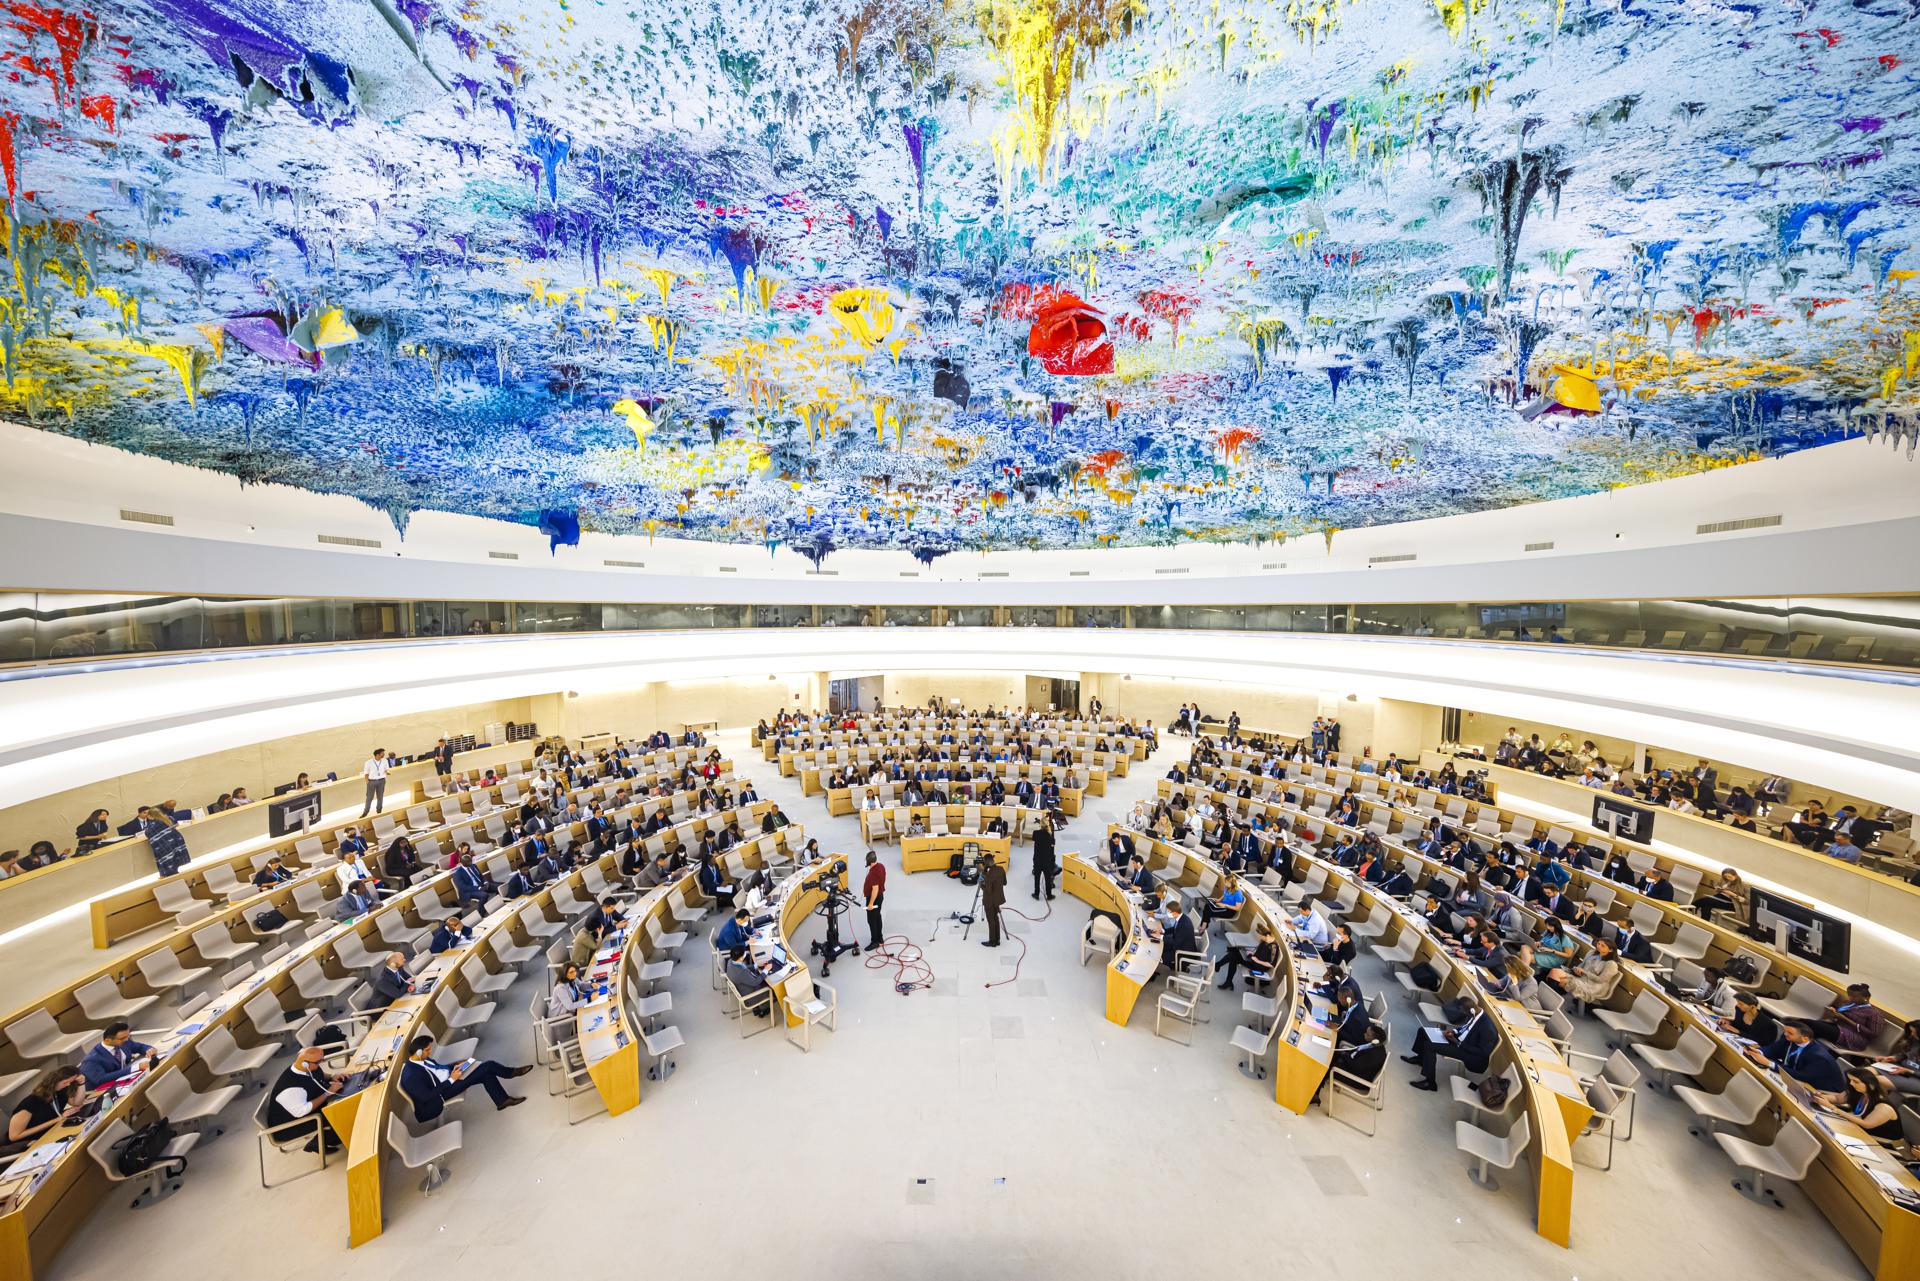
(999, 274)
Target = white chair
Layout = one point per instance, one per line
(216, 943)
(155, 1183)
(535, 922)
(1788, 1158)
(1100, 936)
(661, 941)
(1617, 1070)
(1808, 998)
(661, 1043)
(38, 1037)
(456, 1017)
(1737, 1104)
(1490, 1150)
(1642, 1020)
(224, 1056)
(1371, 1095)
(1690, 943)
(1608, 1106)
(1468, 1098)
(221, 880)
(1183, 1004)
(174, 1097)
(103, 1001)
(299, 1136)
(313, 984)
(176, 899)
(1688, 1056)
(484, 981)
(797, 992)
(758, 1005)
(1254, 1047)
(274, 1022)
(427, 1151)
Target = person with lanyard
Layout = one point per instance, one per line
(298, 1092)
(570, 992)
(375, 771)
(1801, 1057)
(59, 1097)
(1864, 1101)
(271, 874)
(1851, 1022)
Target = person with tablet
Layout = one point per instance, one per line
(428, 1083)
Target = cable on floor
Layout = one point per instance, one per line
(911, 972)
(1021, 941)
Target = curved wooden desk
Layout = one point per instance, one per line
(38, 1222)
(935, 853)
(1136, 955)
(609, 1029)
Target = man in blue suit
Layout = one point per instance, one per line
(736, 932)
(1471, 1041)
(1796, 1053)
(429, 1083)
(115, 1056)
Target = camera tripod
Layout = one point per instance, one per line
(964, 919)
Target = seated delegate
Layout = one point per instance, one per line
(429, 1083)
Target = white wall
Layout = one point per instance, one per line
(1858, 736)
(1638, 542)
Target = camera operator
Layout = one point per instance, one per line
(993, 893)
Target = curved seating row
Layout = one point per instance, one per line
(58, 885)
(1675, 931)
(1863, 1194)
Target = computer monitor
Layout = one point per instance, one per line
(1628, 822)
(1823, 940)
(293, 813)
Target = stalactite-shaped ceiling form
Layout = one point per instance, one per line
(990, 273)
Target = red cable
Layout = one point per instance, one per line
(1021, 941)
(906, 958)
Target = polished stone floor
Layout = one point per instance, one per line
(995, 1126)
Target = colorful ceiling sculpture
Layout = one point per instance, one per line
(982, 274)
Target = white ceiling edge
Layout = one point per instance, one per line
(1841, 507)
(1853, 735)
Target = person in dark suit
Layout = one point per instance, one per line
(1045, 865)
(1633, 945)
(429, 1083)
(1364, 1058)
(993, 895)
(469, 887)
(1177, 938)
(1656, 886)
(1470, 1040)
(1751, 1020)
(1139, 876)
(115, 1056)
(393, 981)
(1354, 1020)
(1801, 1057)
(443, 758)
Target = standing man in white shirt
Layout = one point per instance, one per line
(376, 771)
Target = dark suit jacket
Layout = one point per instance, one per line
(390, 985)
(1476, 1044)
(1180, 938)
(421, 1090)
(1638, 948)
